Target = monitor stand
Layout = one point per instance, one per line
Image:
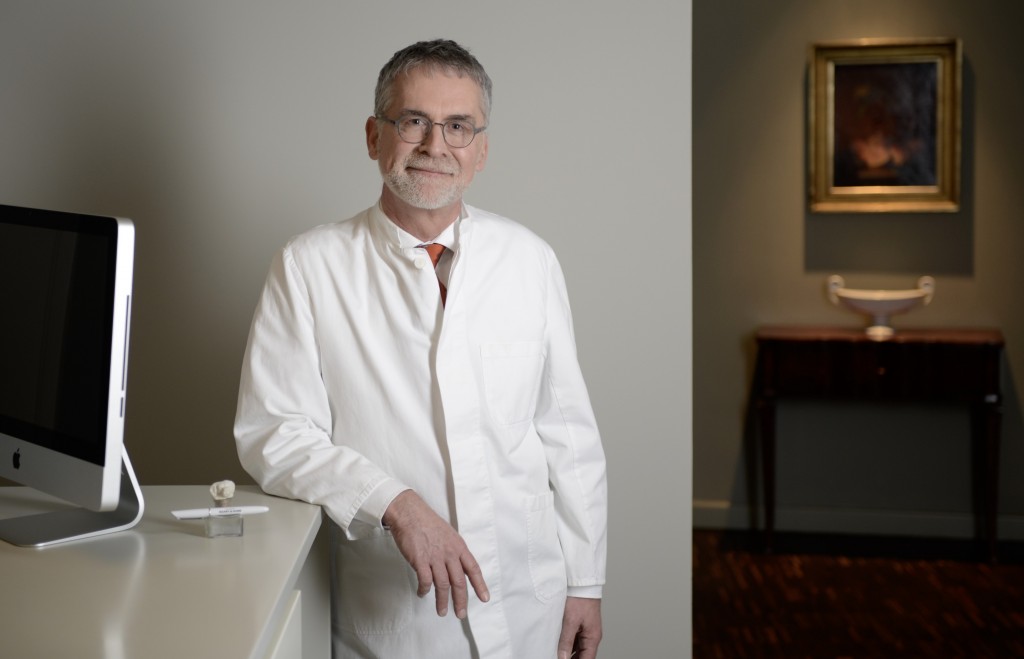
(45, 529)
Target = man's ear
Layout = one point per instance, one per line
(372, 136)
(482, 158)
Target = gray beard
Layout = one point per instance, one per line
(408, 190)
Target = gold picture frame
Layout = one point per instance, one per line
(884, 125)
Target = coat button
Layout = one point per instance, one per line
(420, 262)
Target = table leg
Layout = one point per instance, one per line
(766, 418)
(987, 424)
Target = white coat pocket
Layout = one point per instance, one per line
(512, 373)
(376, 588)
(547, 563)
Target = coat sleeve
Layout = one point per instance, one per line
(576, 462)
(283, 421)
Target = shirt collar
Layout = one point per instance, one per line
(404, 240)
(449, 237)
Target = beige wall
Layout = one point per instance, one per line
(760, 258)
(224, 126)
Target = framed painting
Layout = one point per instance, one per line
(884, 125)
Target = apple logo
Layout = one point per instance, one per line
(16, 459)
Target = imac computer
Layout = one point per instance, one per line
(65, 306)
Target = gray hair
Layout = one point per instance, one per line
(438, 55)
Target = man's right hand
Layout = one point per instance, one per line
(436, 552)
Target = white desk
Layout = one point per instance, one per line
(165, 590)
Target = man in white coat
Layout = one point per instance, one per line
(431, 400)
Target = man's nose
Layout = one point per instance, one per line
(434, 142)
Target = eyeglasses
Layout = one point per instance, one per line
(414, 129)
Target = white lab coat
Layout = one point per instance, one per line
(357, 384)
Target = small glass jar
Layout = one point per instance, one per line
(225, 526)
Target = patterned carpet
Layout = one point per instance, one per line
(832, 597)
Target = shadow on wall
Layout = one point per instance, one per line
(901, 243)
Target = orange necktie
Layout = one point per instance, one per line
(435, 250)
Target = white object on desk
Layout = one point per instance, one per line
(226, 511)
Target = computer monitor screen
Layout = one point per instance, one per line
(65, 304)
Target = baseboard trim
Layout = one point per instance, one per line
(721, 514)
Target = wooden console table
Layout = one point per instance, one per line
(930, 365)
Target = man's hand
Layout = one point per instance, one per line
(581, 628)
(436, 552)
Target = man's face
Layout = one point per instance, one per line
(430, 175)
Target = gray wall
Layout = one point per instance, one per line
(761, 258)
(224, 126)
